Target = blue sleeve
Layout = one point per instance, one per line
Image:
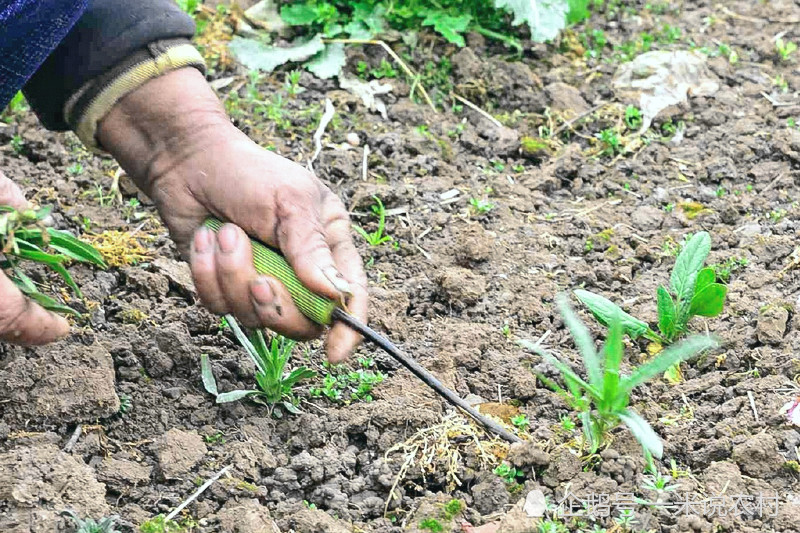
(29, 31)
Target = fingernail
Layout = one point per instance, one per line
(203, 241)
(338, 281)
(262, 291)
(227, 238)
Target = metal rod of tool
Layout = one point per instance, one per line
(419, 371)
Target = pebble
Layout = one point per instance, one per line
(353, 139)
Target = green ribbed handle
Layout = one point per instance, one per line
(271, 263)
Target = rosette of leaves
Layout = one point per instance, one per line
(25, 238)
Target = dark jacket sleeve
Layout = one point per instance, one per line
(107, 33)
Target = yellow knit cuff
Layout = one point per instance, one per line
(85, 126)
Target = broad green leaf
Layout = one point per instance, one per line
(208, 376)
(613, 350)
(566, 371)
(449, 26)
(290, 407)
(256, 55)
(666, 313)
(643, 432)
(578, 11)
(584, 342)
(604, 311)
(298, 374)
(329, 62)
(50, 304)
(299, 14)
(545, 18)
(665, 359)
(75, 249)
(705, 277)
(371, 16)
(688, 264)
(226, 397)
(709, 301)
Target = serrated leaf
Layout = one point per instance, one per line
(207, 374)
(665, 359)
(604, 310)
(232, 396)
(449, 26)
(256, 55)
(688, 264)
(545, 18)
(329, 62)
(709, 301)
(666, 312)
(648, 438)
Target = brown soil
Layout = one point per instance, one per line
(563, 217)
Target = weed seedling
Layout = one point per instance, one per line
(785, 48)
(75, 169)
(161, 524)
(17, 144)
(125, 403)
(610, 142)
(521, 422)
(602, 401)
(377, 237)
(343, 385)
(432, 525)
(275, 384)
(567, 424)
(508, 473)
(480, 206)
(452, 508)
(633, 117)
(23, 236)
(89, 525)
(292, 83)
(660, 483)
(693, 292)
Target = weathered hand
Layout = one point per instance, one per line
(205, 166)
(21, 320)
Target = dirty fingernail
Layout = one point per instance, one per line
(338, 281)
(202, 241)
(227, 238)
(262, 292)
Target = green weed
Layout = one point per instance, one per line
(160, 524)
(508, 473)
(89, 525)
(521, 422)
(602, 401)
(724, 270)
(125, 404)
(343, 385)
(23, 237)
(16, 107)
(693, 292)
(785, 49)
(480, 206)
(432, 525)
(452, 508)
(292, 83)
(377, 237)
(633, 117)
(275, 384)
(610, 143)
(17, 144)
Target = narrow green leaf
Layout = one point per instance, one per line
(666, 313)
(590, 431)
(566, 371)
(51, 305)
(643, 432)
(59, 268)
(74, 248)
(226, 397)
(709, 301)
(208, 376)
(613, 351)
(688, 264)
(23, 281)
(245, 342)
(44, 212)
(298, 374)
(604, 311)
(584, 342)
(665, 359)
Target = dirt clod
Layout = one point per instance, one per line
(758, 456)
(771, 325)
(178, 452)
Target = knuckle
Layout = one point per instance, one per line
(12, 317)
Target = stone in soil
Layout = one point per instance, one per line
(65, 381)
(178, 451)
(489, 494)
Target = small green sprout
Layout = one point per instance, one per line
(521, 422)
(567, 424)
(481, 206)
(384, 70)
(161, 524)
(377, 237)
(633, 117)
(508, 473)
(24, 237)
(693, 292)
(17, 144)
(453, 508)
(610, 142)
(343, 385)
(724, 270)
(292, 83)
(602, 400)
(216, 438)
(432, 525)
(125, 403)
(275, 384)
(785, 48)
(89, 525)
(75, 169)
(660, 483)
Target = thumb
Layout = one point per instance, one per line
(24, 322)
(10, 194)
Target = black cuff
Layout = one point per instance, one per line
(107, 34)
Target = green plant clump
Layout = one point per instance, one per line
(161, 524)
(343, 385)
(89, 525)
(602, 400)
(274, 383)
(693, 292)
(508, 473)
(23, 236)
(377, 237)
